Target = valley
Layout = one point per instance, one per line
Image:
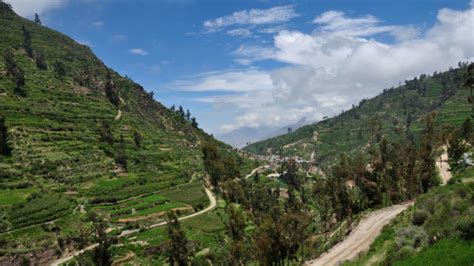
(94, 170)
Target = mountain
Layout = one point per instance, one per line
(394, 111)
(243, 136)
(77, 137)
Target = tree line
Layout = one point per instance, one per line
(186, 116)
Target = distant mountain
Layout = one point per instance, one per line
(243, 136)
(390, 113)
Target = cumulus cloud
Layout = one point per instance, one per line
(28, 8)
(138, 51)
(252, 17)
(340, 62)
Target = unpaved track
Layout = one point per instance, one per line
(443, 167)
(254, 171)
(119, 114)
(361, 237)
(212, 205)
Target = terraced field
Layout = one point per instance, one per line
(140, 208)
(76, 151)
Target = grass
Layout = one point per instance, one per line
(446, 252)
(15, 196)
(191, 193)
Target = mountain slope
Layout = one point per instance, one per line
(82, 135)
(390, 113)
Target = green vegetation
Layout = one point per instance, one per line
(391, 113)
(443, 252)
(442, 220)
(75, 137)
(86, 154)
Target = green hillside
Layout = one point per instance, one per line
(83, 138)
(390, 113)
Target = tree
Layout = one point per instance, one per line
(469, 83)
(194, 123)
(20, 82)
(236, 231)
(137, 137)
(467, 130)
(111, 90)
(27, 41)
(40, 61)
(10, 62)
(101, 253)
(105, 132)
(37, 19)
(4, 148)
(173, 108)
(59, 69)
(188, 115)
(15, 71)
(181, 111)
(121, 158)
(178, 248)
(289, 173)
(289, 130)
(219, 166)
(427, 171)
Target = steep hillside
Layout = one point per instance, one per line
(79, 134)
(390, 113)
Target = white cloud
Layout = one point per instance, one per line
(252, 17)
(341, 62)
(239, 32)
(234, 80)
(98, 23)
(138, 51)
(28, 8)
(247, 54)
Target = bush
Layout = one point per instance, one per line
(465, 227)
(419, 217)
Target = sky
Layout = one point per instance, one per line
(262, 65)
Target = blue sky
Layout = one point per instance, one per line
(264, 64)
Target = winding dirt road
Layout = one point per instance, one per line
(212, 205)
(369, 228)
(361, 237)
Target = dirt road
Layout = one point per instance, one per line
(443, 167)
(361, 237)
(119, 114)
(254, 171)
(212, 205)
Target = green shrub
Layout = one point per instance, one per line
(465, 227)
(419, 217)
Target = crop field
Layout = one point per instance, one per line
(15, 196)
(138, 207)
(191, 194)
